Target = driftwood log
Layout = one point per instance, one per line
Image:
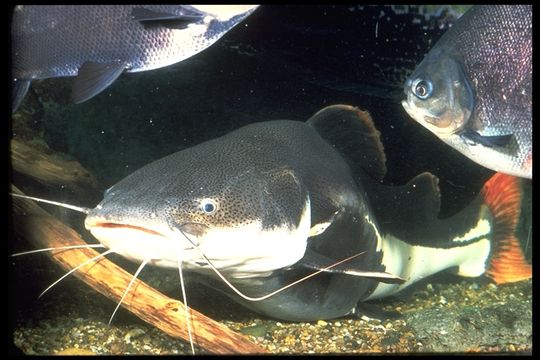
(49, 169)
(42, 230)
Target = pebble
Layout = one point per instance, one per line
(347, 335)
(133, 334)
(442, 300)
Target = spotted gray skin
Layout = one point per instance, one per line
(244, 183)
(261, 171)
(474, 88)
(313, 192)
(53, 41)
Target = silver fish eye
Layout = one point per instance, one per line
(422, 88)
(208, 206)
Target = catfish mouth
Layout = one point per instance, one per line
(122, 231)
(189, 228)
(111, 225)
(155, 243)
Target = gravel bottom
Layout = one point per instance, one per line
(455, 315)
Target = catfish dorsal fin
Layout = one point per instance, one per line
(351, 132)
(406, 210)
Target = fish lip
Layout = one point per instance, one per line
(190, 230)
(435, 121)
(108, 224)
(431, 122)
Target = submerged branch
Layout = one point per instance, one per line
(43, 230)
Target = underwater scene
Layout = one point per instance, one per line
(307, 179)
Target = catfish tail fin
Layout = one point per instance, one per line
(507, 263)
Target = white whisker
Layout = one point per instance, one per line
(75, 269)
(186, 308)
(60, 248)
(68, 206)
(249, 298)
(128, 287)
(264, 297)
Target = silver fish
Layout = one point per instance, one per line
(97, 43)
(474, 88)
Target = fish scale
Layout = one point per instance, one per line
(480, 100)
(51, 38)
(56, 41)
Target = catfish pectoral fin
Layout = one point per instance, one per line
(374, 311)
(380, 276)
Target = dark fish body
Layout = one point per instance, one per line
(57, 40)
(474, 88)
(274, 201)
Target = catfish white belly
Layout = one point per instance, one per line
(271, 202)
(290, 219)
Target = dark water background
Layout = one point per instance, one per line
(283, 62)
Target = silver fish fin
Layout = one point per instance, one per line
(93, 78)
(19, 90)
(151, 18)
(490, 141)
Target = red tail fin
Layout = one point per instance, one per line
(502, 194)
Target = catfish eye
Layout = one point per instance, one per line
(422, 88)
(208, 206)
